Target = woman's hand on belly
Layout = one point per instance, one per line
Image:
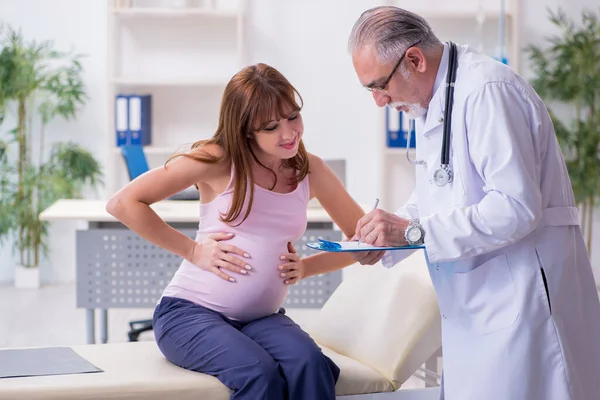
(216, 257)
(293, 268)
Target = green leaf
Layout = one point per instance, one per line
(41, 83)
(567, 72)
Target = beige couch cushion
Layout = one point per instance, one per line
(356, 378)
(387, 319)
(139, 371)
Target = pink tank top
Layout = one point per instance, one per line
(274, 220)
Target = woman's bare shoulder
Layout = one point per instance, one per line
(212, 150)
(220, 172)
(315, 163)
(206, 163)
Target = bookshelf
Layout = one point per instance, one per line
(182, 53)
(459, 23)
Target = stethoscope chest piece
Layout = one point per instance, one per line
(442, 176)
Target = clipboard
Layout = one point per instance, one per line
(354, 246)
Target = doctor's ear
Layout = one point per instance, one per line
(417, 59)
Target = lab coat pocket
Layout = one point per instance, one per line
(543, 283)
(486, 296)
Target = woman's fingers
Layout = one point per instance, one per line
(291, 281)
(220, 236)
(226, 265)
(238, 265)
(289, 271)
(230, 263)
(232, 249)
(217, 271)
(287, 267)
(290, 274)
(290, 257)
(291, 248)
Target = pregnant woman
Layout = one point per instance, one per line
(221, 314)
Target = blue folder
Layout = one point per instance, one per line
(347, 247)
(140, 120)
(135, 160)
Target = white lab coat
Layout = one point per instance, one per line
(504, 226)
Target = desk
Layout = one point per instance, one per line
(171, 211)
(117, 268)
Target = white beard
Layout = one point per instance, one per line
(415, 110)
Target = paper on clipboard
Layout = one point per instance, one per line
(354, 246)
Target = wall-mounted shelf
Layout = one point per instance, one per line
(158, 81)
(462, 15)
(183, 57)
(155, 150)
(173, 12)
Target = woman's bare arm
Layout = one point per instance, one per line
(131, 204)
(341, 207)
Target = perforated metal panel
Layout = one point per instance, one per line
(118, 269)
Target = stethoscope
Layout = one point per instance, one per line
(443, 175)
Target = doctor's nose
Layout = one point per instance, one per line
(381, 99)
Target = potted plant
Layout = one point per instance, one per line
(568, 78)
(37, 84)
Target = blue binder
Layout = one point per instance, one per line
(135, 160)
(397, 126)
(122, 120)
(140, 120)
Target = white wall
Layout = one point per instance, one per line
(70, 24)
(305, 40)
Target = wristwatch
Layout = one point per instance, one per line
(414, 233)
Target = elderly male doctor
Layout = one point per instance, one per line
(520, 311)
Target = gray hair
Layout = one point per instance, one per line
(391, 31)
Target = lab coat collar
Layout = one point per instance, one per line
(435, 111)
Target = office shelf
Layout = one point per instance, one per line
(155, 150)
(459, 14)
(159, 81)
(138, 12)
(183, 56)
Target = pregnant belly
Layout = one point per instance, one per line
(256, 294)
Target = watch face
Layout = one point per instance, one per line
(413, 234)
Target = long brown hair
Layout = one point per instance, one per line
(250, 99)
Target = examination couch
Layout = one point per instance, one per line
(380, 326)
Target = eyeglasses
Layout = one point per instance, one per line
(383, 87)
